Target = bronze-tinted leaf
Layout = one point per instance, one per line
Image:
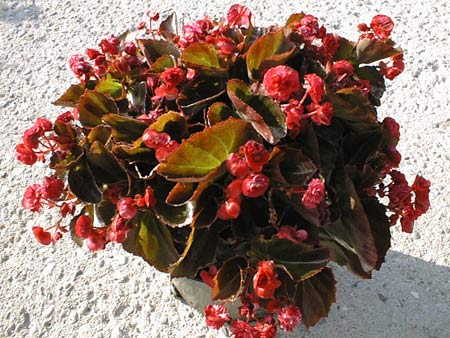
(352, 231)
(345, 51)
(261, 111)
(60, 161)
(315, 296)
(230, 279)
(377, 84)
(137, 96)
(125, 129)
(370, 50)
(294, 19)
(270, 50)
(82, 182)
(71, 96)
(352, 106)
(291, 167)
(342, 255)
(299, 260)
(163, 62)
(205, 151)
(203, 57)
(99, 133)
(172, 123)
(175, 216)
(181, 193)
(111, 86)
(154, 242)
(153, 49)
(104, 165)
(133, 153)
(218, 112)
(197, 93)
(379, 224)
(199, 252)
(92, 106)
(105, 210)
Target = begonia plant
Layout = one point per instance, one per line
(246, 157)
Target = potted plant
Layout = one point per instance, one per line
(244, 157)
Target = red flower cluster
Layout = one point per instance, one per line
(280, 82)
(46, 193)
(161, 142)
(171, 78)
(291, 233)
(380, 29)
(314, 194)
(401, 199)
(265, 281)
(27, 152)
(216, 315)
(246, 165)
(181, 138)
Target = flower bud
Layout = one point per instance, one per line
(126, 209)
(255, 185)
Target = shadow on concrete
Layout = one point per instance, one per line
(408, 298)
(18, 11)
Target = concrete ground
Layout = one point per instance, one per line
(63, 291)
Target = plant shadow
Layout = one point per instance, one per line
(408, 298)
(18, 11)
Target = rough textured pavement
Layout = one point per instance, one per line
(66, 292)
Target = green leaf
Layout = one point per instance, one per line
(217, 112)
(199, 252)
(111, 86)
(172, 123)
(205, 151)
(163, 62)
(299, 260)
(270, 50)
(203, 57)
(92, 106)
(261, 111)
(153, 49)
(125, 129)
(315, 296)
(71, 96)
(154, 242)
(197, 93)
(104, 165)
(291, 167)
(230, 279)
(370, 50)
(353, 230)
(82, 182)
